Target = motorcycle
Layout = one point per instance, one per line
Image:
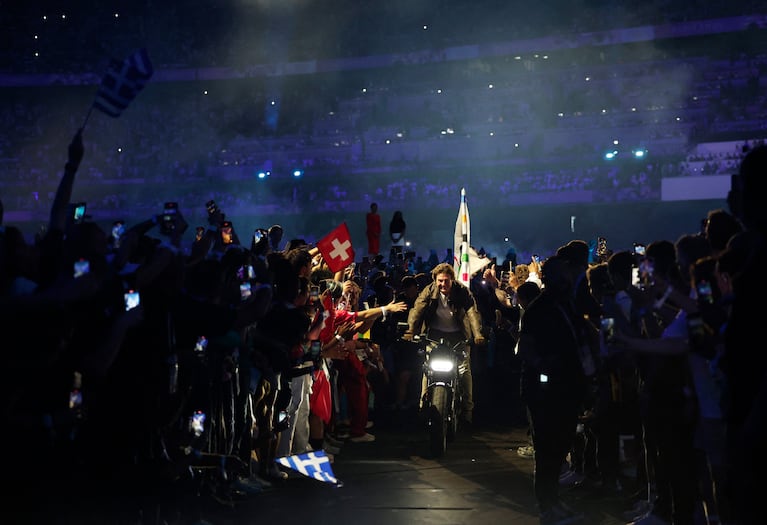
(441, 402)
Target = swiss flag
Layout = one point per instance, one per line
(336, 248)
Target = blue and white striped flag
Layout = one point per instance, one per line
(311, 464)
(122, 82)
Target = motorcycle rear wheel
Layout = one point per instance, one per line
(438, 421)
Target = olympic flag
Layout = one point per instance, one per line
(462, 242)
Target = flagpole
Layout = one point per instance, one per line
(464, 240)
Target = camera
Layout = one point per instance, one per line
(81, 267)
(78, 213)
(168, 221)
(132, 299)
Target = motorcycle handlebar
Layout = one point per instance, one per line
(423, 339)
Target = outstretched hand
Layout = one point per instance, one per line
(396, 306)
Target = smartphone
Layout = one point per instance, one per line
(75, 399)
(118, 229)
(168, 224)
(646, 269)
(246, 272)
(705, 293)
(197, 423)
(639, 249)
(314, 293)
(227, 236)
(601, 246)
(81, 267)
(543, 378)
(257, 236)
(349, 272)
(245, 290)
(199, 233)
(536, 258)
(132, 299)
(79, 212)
(315, 349)
(608, 330)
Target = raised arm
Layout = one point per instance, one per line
(58, 217)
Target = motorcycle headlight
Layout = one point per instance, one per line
(441, 365)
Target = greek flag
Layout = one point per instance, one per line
(311, 464)
(122, 82)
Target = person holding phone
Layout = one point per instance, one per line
(295, 438)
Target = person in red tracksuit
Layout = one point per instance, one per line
(352, 371)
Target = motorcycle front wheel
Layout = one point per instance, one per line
(451, 419)
(438, 421)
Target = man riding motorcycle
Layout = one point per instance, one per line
(447, 309)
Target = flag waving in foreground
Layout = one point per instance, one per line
(122, 82)
(336, 248)
(462, 263)
(311, 464)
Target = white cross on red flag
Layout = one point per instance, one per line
(336, 248)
